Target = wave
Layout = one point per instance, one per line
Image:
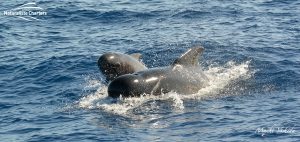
(192, 14)
(100, 16)
(277, 3)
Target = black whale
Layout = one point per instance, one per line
(183, 76)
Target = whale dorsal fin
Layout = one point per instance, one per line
(190, 57)
(136, 55)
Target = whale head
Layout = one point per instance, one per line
(114, 64)
(126, 86)
(139, 83)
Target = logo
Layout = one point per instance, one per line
(29, 12)
(275, 130)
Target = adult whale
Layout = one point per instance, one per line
(183, 76)
(113, 65)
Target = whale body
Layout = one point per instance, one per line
(183, 76)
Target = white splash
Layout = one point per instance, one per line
(219, 77)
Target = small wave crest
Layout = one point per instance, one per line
(220, 79)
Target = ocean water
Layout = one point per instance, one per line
(51, 88)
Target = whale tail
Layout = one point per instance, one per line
(190, 57)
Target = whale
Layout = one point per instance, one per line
(114, 64)
(183, 76)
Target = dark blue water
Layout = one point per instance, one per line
(51, 90)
